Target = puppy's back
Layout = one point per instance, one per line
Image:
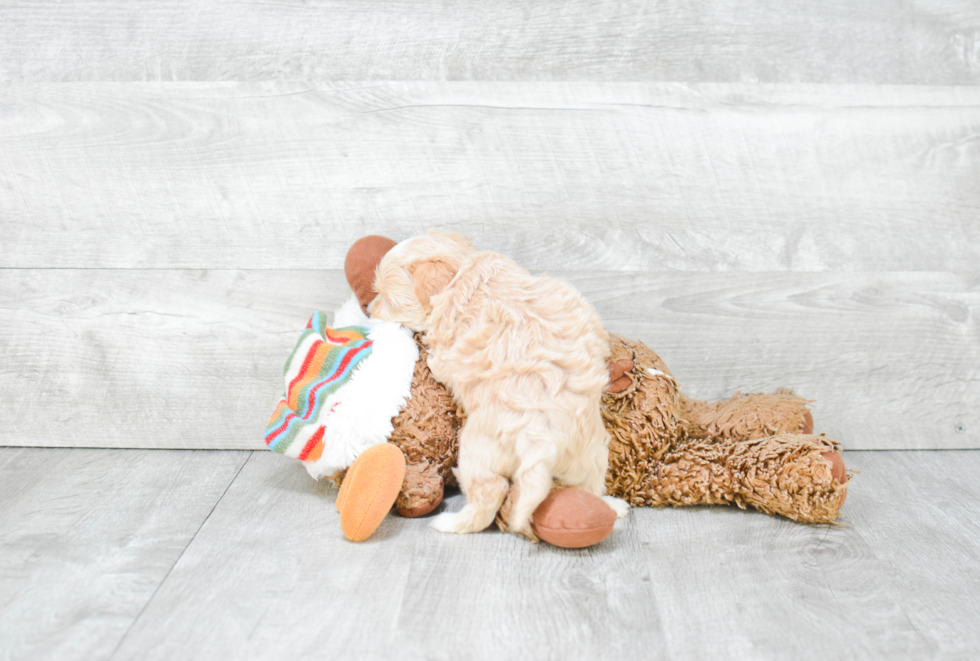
(497, 320)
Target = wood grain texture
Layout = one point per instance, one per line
(922, 511)
(87, 537)
(270, 576)
(767, 588)
(614, 176)
(547, 603)
(922, 520)
(295, 588)
(193, 359)
(898, 581)
(840, 41)
(130, 358)
(891, 360)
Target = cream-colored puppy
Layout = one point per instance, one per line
(526, 358)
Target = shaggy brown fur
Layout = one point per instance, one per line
(427, 431)
(744, 416)
(669, 449)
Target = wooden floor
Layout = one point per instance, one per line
(174, 554)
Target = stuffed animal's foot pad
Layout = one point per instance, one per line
(369, 489)
(839, 472)
(618, 505)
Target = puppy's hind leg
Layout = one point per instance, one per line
(485, 492)
(484, 487)
(595, 483)
(594, 480)
(533, 482)
(618, 505)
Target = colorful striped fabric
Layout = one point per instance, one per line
(321, 364)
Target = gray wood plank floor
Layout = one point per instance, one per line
(199, 555)
(87, 537)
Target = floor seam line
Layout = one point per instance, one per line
(136, 619)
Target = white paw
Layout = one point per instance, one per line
(619, 506)
(445, 522)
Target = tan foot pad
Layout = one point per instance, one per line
(369, 490)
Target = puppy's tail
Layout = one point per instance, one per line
(533, 482)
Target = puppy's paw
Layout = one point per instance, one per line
(618, 505)
(446, 522)
(528, 532)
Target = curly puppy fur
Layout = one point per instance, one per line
(525, 356)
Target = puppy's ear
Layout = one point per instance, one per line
(431, 276)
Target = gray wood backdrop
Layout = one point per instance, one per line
(767, 193)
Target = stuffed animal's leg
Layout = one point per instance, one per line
(745, 417)
(794, 475)
(799, 476)
(421, 492)
(369, 489)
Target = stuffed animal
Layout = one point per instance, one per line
(667, 449)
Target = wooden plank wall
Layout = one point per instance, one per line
(767, 194)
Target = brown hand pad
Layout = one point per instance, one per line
(807, 427)
(839, 472)
(618, 380)
(422, 491)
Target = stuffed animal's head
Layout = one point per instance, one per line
(413, 272)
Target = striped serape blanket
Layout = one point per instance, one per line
(322, 363)
(342, 387)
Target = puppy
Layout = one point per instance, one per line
(524, 355)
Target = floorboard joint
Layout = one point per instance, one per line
(136, 619)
